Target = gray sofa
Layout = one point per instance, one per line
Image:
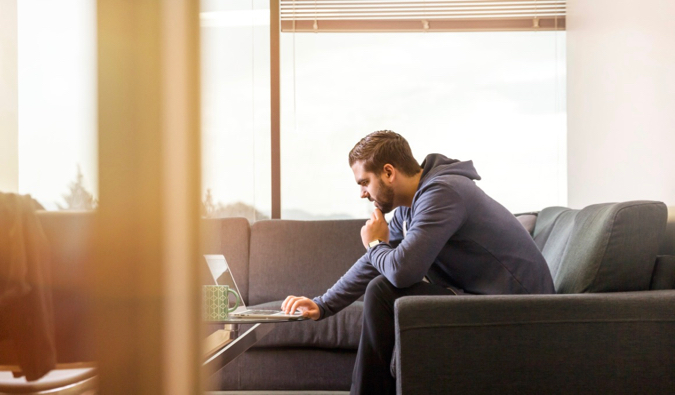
(276, 258)
(600, 258)
(612, 329)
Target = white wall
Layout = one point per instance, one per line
(9, 97)
(620, 101)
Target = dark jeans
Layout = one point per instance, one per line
(372, 374)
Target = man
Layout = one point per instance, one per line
(446, 238)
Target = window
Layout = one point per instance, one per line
(496, 98)
(235, 108)
(56, 102)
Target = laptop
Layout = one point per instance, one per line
(222, 275)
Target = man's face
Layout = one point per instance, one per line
(373, 188)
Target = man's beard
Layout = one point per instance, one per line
(385, 198)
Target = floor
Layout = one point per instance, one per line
(277, 393)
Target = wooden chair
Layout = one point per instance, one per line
(66, 379)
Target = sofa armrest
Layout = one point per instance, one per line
(580, 343)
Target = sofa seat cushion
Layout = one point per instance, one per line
(341, 331)
(284, 371)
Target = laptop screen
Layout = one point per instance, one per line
(222, 275)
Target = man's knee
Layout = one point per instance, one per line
(378, 286)
(379, 299)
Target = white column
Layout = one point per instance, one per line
(9, 98)
(620, 101)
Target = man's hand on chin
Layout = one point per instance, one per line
(376, 228)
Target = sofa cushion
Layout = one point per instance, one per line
(601, 248)
(556, 239)
(286, 371)
(664, 273)
(341, 331)
(528, 220)
(545, 223)
(301, 258)
(229, 237)
(668, 244)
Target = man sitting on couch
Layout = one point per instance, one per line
(447, 238)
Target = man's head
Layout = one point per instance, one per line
(385, 169)
(382, 147)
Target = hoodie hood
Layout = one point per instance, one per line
(436, 165)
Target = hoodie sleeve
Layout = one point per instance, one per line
(396, 228)
(347, 289)
(438, 213)
(354, 283)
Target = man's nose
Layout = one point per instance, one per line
(364, 194)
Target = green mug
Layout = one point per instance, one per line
(216, 302)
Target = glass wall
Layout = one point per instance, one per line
(236, 108)
(495, 98)
(57, 142)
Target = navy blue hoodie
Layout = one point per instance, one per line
(456, 236)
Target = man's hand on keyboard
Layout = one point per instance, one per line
(304, 305)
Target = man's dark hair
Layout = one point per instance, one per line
(382, 147)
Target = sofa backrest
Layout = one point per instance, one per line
(601, 248)
(668, 245)
(302, 258)
(231, 238)
(664, 269)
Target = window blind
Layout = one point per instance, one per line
(420, 15)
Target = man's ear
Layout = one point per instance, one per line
(389, 171)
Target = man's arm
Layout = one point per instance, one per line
(350, 286)
(438, 214)
(345, 291)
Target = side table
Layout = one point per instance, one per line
(224, 345)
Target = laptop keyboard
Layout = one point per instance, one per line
(261, 312)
